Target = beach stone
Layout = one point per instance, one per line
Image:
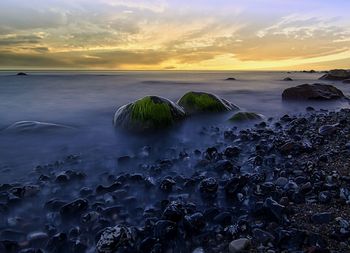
(202, 102)
(328, 129)
(312, 92)
(245, 116)
(21, 74)
(287, 79)
(74, 208)
(262, 236)
(239, 245)
(34, 127)
(230, 79)
(112, 238)
(336, 74)
(281, 181)
(148, 114)
(321, 218)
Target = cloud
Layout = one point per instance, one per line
(162, 33)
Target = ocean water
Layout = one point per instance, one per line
(87, 101)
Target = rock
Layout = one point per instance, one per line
(281, 181)
(113, 238)
(165, 229)
(166, 185)
(74, 208)
(239, 245)
(321, 218)
(287, 79)
(36, 127)
(21, 74)
(245, 116)
(148, 114)
(262, 236)
(230, 79)
(202, 102)
(328, 129)
(346, 81)
(336, 74)
(312, 92)
(208, 187)
(194, 222)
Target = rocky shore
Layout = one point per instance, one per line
(280, 186)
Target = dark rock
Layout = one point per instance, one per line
(312, 92)
(173, 212)
(194, 222)
(230, 79)
(21, 74)
(321, 218)
(112, 238)
(287, 79)
(262, 236)
(336, 74)
(74, 209)
(167, 184)
(328, 129)
(346, 81)
(165, 229)
(208, 187)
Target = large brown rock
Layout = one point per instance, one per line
(336, 74)
(312, 92)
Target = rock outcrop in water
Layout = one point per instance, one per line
(148, 114)
(336, 74)
(245, 116)
(312, 92)
(230, 79)
(36, 127)
(21, 74)
(287, 79)
(202, 102)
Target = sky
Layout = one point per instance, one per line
(175, 34)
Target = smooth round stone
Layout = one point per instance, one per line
(239, 245)
(281, 181)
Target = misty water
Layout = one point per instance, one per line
(87, 101)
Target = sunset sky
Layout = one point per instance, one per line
(174, 35)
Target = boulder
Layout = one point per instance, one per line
(287, 79)
(230, 79)
(36, 127)
(336, 74)
(21, 74)
(312, 92)
(202, 102)
(148, 114)
(245, 116)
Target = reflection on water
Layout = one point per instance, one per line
(88, 101)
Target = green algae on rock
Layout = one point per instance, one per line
(201, 102)
(245, 116)
(147, 114)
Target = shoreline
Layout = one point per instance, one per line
(280, 186)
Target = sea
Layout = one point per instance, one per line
(87, 102)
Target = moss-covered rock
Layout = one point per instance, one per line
(245, 116)
(201, 102)
(147, 114)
